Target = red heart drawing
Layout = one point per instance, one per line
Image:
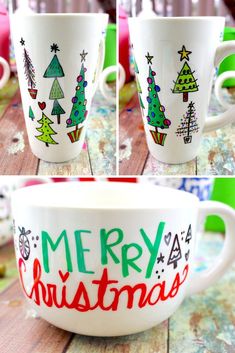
(64, 276)
(42, 105)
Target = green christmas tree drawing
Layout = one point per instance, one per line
(186, 82)
(139, 90)
(156, 111)
(188, 124)
(46, 131)
(31, 114)
(78, 113)
(55, 70)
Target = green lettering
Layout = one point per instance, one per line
(153, 248)
(46, 239)
(126, 262)
(106, 248)
(80, 251)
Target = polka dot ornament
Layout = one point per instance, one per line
(69, 121)
(167, 122)
(74, 100)
(153, 73)
(157, 88)
(162, 108)
(149, 80)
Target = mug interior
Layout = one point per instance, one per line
(103, 195)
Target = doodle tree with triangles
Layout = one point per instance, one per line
(46, 131)
(139, 90)
(188, 124)
(55, 70)
(78, 113)
(175, 254)
(156, 111)
(185, 82)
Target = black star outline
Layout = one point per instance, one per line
(160, 258)
(83, 56)
(184, 53)
(22, 41)
(149, 58)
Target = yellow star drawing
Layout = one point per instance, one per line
(184, 53)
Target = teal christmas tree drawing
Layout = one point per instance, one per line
(31, 114)
(156, 111)
(55, 70)
(139, 90)
(78, 113)
(185, 82)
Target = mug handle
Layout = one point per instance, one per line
(219, 85)
(103, 78)
(202, 280)
(216, 122)
(6, 72)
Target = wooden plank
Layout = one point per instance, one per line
(205, 322)
(16, 157)
(133, 150)
(21, 330)
(154, 167)
(7, 258)
(77, 166)
(154, 340)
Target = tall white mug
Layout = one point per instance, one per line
(175, 60)
(59, 59)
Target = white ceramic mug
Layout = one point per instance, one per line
(109, 259)
(174, 63)
(6, 72)
(59, 59)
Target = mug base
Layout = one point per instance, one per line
(173, 161)
(59, 158)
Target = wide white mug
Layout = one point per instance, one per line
(109, 259)
(59, 60)
(175, 59)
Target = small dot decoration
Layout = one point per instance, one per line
(79, 78)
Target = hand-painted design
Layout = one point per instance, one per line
(55, 70)
(29, 72)
(138, 85)
(149, 58)
(156, 116)
(46, 131)
(64, 276)
(35, 240)
(83, 56)
(187, 255)
(78, 113)
(160, 258)
(188, 124)
(31, 113)
(186, 82)
(167, 238)
(42, 105)
(175, 254)
(24, 244)
(189, 234)
(157, 272)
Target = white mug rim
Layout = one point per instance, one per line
(27, 197)
(178, 19)
(61, 15)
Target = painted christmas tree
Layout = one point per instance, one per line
(46, 131)
(78, 113)
(156, 111)
(55, 70)
(31, 114)
(175, 254)
(29, 72)
(188, 124)
(185, 82)
(189, 235)
(139, 90)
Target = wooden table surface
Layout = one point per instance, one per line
(205, 323)
(98, 156)
(216, 154)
